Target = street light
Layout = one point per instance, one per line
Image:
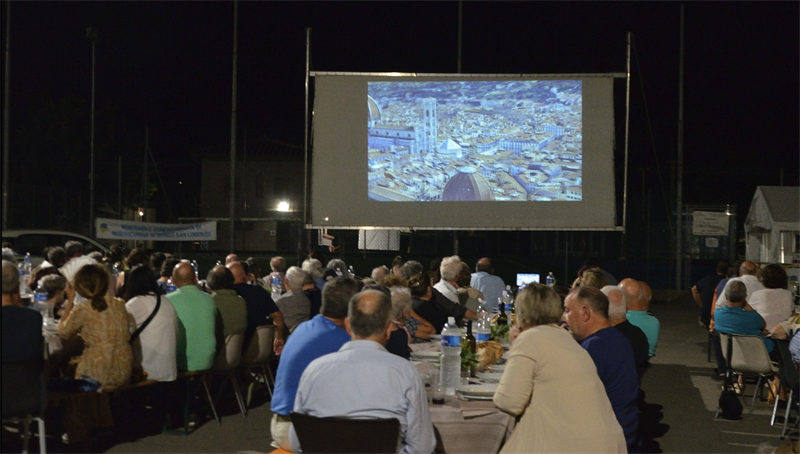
(283, 206)
(91, 34)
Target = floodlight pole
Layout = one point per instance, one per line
(627, 126)
(305, 144)
(233, 123)
(679, 183)
(6, 108)
(91, 33)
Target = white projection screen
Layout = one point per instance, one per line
(477, 152)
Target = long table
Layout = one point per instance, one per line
(470, 426)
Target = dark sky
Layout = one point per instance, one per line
(167, 65)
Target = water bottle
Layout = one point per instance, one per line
(24, 276)
(483, 328)
(170, 286)
(196, 269)
(508, 298)
(277, 286)
(351, 271)
(451, 356)
(40, 302)
(28, 265)
(551, 279)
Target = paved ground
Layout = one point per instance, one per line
(678, 416)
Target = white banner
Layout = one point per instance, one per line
(709, 223)
(114, 229)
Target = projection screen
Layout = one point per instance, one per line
(477, 152)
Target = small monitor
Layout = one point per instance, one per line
(524, 279)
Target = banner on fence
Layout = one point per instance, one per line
(709, 223)
(115, 229)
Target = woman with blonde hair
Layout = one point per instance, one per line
(552, 382)
(104, 326)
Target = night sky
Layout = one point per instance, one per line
(167, 66)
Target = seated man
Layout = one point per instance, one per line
(638, 295)
(259, 306)
(230, 306)
(737, 317)
(364, 381)
(196, 344)
(586, 313)
(22, 326)
(617, 307)
(323, 334)
(293, 304)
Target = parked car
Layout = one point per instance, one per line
(34, 241)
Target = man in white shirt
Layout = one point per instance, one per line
(747, 274)
(449, 269)
(364, 381)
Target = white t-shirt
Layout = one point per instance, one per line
(774, 304)
(750, 282)
(155, 349)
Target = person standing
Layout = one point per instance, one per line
(703, 291)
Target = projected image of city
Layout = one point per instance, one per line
(475, 141)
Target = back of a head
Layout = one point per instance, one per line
(169, 266)
(8, 255)
(410, 269)
(617, 302)
(140, 281)
(398, 261)
(312, 267)
(736, 291)
(537, 305)
(379, 273)
(138, 257)
(183, 274)
(723, 266)
(255, 268)
(116, 253)
(393, 280)
(73, 248)
(450, 268)
(748, 268)
(464, 275)
(774, 276)
(338, 265)
(336, 296)
(230, 258)
(295, 277)
(52, 284)
(157, 259)
(485, 265)
(369, 313)
(57, 256)
(401, 300)
(219, 278)
(596, 300)
(10, 278)
(91, 282)
(593, 277)
(633, 292)
(278, 264)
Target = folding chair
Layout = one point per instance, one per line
(790, 379)
(345, 435)
(225, 363)
(258, 354)
(749, 357)
(24, 390)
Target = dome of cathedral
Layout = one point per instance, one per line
(467, 186)
(374, 111)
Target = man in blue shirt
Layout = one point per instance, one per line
(586, 313)
(259, 306)
(484, 280)
(323, 334)
(737, 317)
(364, 381)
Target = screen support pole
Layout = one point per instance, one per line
(305, 148)
(627, 126)
(679, 184)
(233, 125)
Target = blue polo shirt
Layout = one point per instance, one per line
(736, 320)
(310, 340)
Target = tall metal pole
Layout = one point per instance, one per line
(144, 172)
(6, 109)
(460, 11)
(627, 126)
(233, 121)
(305, 141)
(679, 184)
(91, 33)
(119, 185)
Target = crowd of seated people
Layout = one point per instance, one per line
(162, 321)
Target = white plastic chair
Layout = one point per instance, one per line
(225, 364)
(749, 356)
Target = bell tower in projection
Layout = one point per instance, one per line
(430, 118)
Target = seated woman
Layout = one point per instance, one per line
(417, 327)
(104, 326)
(552, 382)
(774, 302)
(55, 285)
(154, 350)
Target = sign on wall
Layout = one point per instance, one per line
(115, 229)
(709, 223)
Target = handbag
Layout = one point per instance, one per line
(149, 319)
(730, 407)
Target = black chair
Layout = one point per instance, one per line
(790, 378)
(345, 435)
(24, 389)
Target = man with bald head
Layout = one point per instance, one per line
(231, 258)
(617, 316)
(259, 306)
(586, 311)
(364, 381)
(747, 275)
(638, 315)
(486, 282)
(197, 316)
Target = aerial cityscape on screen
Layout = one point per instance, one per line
(475, 140)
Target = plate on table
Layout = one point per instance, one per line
(485, 390)
(436, 338)
(489, 377)
(425, 356)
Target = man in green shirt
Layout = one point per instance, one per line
(197, 314)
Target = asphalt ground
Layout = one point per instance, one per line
(678, 407)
